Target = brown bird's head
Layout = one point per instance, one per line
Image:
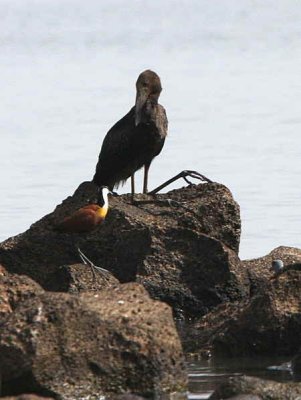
(148, 87)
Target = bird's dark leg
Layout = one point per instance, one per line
(183, 174)
(132, 186)
(93, 267)
(145, 180)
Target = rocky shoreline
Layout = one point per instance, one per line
(66, 335)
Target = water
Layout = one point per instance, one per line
(230, 72)
(206, 375)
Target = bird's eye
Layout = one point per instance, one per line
(144, 84)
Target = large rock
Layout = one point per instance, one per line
(79, 278)
(255, 388)
(259, 269)
(89, 345)
(268, 323)
(296, 366)
(26, 397)
(184, 252)
(245, 397)
(15, 289)
(128, 396)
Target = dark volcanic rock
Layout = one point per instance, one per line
(245, 397)
(184, 252)
(78, 278)
(268, 323)
(261, 389)
(14, 289)
(296, 366)
(26, 397)
(192, 272)
(2, 270)
(259, 269)
(71, 346)
(127, 396)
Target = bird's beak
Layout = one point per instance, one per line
(141, 98)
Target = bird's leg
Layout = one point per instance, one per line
(93, 267)
(83, 258)
(132, 187)
(183, 174)
(145, 180)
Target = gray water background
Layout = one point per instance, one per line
(230, 72)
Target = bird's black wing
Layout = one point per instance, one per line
(115, 152)
(127, 147)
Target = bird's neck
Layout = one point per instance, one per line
(102, 200)
(103, 205)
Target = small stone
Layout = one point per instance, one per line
(277, 266)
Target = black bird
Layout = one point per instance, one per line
(136, 139)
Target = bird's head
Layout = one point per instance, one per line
(148, 87)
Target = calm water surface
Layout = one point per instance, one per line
(205, 376)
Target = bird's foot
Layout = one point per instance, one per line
(184, 174)
(133, 201)
(105, 273)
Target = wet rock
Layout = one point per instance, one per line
(14, 289)
(70, 346)
(268, 323)
(184, 252)
(236, 387)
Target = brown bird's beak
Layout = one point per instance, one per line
(141, 98)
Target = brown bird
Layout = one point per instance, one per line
(87, 218)
(136, 139)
